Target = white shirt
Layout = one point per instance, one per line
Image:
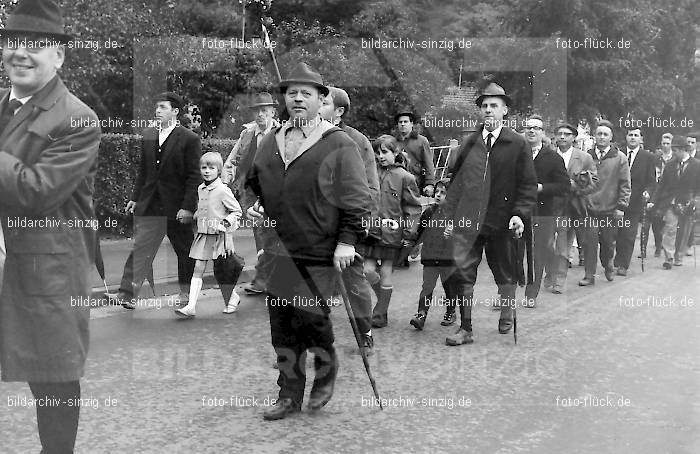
(163, 134)
(259, 133)
(566, 156)
(495, 133)
(601, 153)
(634, 155)
(536, 151)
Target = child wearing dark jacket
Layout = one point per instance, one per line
(437, 260)
(399, 209)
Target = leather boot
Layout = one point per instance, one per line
(463, 335)
(283, 407)
(326, 366)
(379, 315)
(505, 321)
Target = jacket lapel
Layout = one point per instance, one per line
(43, 99)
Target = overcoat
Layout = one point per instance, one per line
(48, 161)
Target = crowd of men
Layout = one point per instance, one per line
(512, 197)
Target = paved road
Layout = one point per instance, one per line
(612, 369)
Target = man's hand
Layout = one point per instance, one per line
(130, 207)
(256, 211)
(619, 214)
(516, 225)
(184, 216)
(429, 190)
(344, 256)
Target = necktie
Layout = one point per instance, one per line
(681, 168)
(8, 113)
(489, 142)
(629, 158)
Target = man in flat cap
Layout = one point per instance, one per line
(583, 179)
(311, 182)
(47, 179)
(490, 200)
(236, 168)
(417, 150)
(335, 106)
(164, 198)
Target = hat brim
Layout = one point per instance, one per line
(411, 115)
(573, 131)
(261, 104)
(58, 37)
(286, 83)
(506, 98)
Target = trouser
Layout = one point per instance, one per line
(468, 252)
(262, 237)
(297, 299)
(599, 229)
(566, 231)
(543, 248)
(626, 236)
(359, 294)
(691, 236)
(57, 414)
(656, 223)
(149, 232)
(675, 236)
(450, 282)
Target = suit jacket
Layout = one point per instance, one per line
(643, 178)
(678, 190)
(551, 174)
(175, 179)
(48, 162)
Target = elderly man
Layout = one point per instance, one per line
(657, 219)
(236, 167)
(492, 194)
(552, 181)
(335, 105)
(583, 179)
(606, 205)
(311, 183)
(677, 197)
(417, 151)
(48, 160)
(643, 182)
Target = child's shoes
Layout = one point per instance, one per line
(232, 305)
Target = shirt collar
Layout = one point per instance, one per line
(307, 127)
(629, 150)
(600, 152)
(495, 133)
(168, 130)
(13, 95)
(536, 150)
(564, 153)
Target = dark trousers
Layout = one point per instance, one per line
(626, 236)
(450, 282)
(656, 223)
(359, 294)
(601, 229)
(262, 237)
(149, 232)
(300, 324)
(543, 250)
(57, 414)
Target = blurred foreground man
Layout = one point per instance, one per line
(48, 155)
(310, 181)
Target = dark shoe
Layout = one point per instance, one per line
(126, 301)
(253, 288)
(379, 321)
(504, 325)
(622, 271)
(418, 321)
(667, 265)
(678, 262)
(322, 389)
(609, 274)
(367, 344)
(657, 253)
(282, 408)
(461, 337)
(558, 289)
(448, 319)
(586, 281)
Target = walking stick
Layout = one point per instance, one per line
(643, 237)
(356, 332)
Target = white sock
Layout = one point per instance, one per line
(195, 287)
(235, 299)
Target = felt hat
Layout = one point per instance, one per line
(37, 17)
(492, 90)
(262, 99)
(568, 126)
(303, 74)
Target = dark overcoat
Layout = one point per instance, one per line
(48, 161)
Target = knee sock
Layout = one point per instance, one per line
(57, 416)
(195, 288)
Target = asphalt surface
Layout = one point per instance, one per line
(608, 369)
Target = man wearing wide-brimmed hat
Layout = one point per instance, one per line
(417, 150)
(490, 200)
(310, 181)
(49, 141)
(236, 167)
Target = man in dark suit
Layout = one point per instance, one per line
(552, 181)
(492, 194)
(164, 198)
(677, 197)
(643, 181)
(49, 142)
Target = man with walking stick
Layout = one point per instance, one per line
(310, 181)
